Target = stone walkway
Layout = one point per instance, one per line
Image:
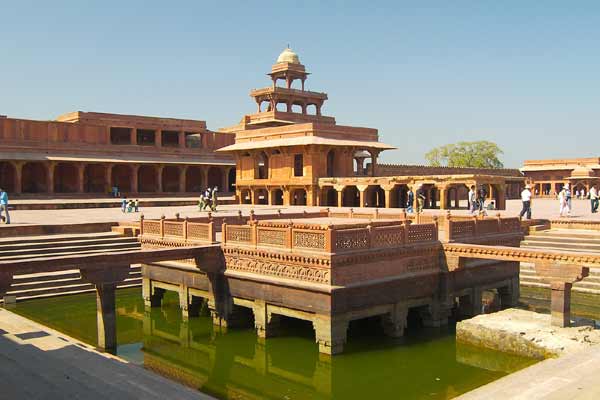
(573, 376)
(542, 208)
(37, 362)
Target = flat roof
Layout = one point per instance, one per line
(304, 141)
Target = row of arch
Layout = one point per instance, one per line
(453, 196)
(68, 177)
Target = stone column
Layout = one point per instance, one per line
(340, 194)
(252, 196)
(456, 198)
(204, 174)
(106, 317)
(133, 137)
(330, 333)
(266, 323)
(560, 303)
(81, 177)
(108, 175)
(395, 322)
(159, 186)
(286, 196)
(50, 177)
(134, 178)
(190, 305)
(443, 198)
(158, 138)
(501, 198)
(470, 305)
(152, 296)
(361, 190)
(18, 176)
(181, 139)
(182, 178)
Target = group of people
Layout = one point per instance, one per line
(476, 200)
(208, 199)
(130, 205)
(565, 200)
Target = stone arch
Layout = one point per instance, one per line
(245, 196)
(8, 176)
(261, 168)
(193, 179)
(34, 177)
(215, 177)
(375, 197)
(94, 178)
(66, 176)
(231, 180)
(311, 109)
(261, 196)
(122, 177)
(329, 196)
(277, 197)
(350, 197)
(399, 196)
(298, 197)
(147, 179)
(170, 178)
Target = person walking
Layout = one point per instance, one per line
(4, 207)
(201, 202)
(481, 196)
(213, 199)
(562, 201)
(420, 198)
(124, 204)
(472, 199)
(526, 199)
(568, 196)
(410, 201)
(594, 199)
(136, 205)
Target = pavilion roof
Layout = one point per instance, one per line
(304, 141)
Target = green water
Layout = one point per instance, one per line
(425, 364)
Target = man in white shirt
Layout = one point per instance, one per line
(526, 199)
(594, 198)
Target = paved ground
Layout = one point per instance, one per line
(39, 363)
(542, 208)
(574, 376)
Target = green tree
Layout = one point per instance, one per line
(480, 154)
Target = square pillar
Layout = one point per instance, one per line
(81, 177)
(158, 138)
(133, 137)
(560, 304)
(106, 317)
(340, 198)
(181, 139)
(330, 333)
(182, 178)
(266, 323)
(50, 177)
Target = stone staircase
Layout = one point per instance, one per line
(49, 284)
(566, 240)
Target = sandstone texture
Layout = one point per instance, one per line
(525, 333)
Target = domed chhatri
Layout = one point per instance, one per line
(288, 56)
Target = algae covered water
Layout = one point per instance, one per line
(425, 364)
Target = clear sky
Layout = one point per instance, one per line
(524, 74)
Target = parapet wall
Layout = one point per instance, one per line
(420, 170)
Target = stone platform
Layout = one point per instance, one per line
(525, 333)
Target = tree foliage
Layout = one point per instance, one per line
(480, 154)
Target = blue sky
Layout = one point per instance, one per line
(522, 74)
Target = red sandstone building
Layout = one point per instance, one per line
(547, 177)
(85, 152)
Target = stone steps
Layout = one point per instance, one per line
(561, 245)
(47, 284)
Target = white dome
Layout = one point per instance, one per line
(288, 56)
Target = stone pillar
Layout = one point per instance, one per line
(190, 305)
(427, 202)
(182, 178)
(361, 191)
(509, 295)
(266, 323)
(286, 196)
(80, 177)
(388, 198)
(330, 333)
(50, 177)
(152, 296)
(133, 137)
(560, 304)
(252, 196)
(470, 305)
(501, 198)
(204, 174)
(18, 176)
(106, 317)
(181, 139)
(456, 198)
(443, 198)
(159, 185)
(108, 176)
(224, 178)
(158, 138)
(395, 322)
(134, 178)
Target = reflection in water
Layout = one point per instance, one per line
(237, 365)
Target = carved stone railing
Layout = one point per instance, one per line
(327, 238)
(181, 231)
(474, 228)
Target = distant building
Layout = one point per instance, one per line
(547, 177)
(289, 153)
(88, 152)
